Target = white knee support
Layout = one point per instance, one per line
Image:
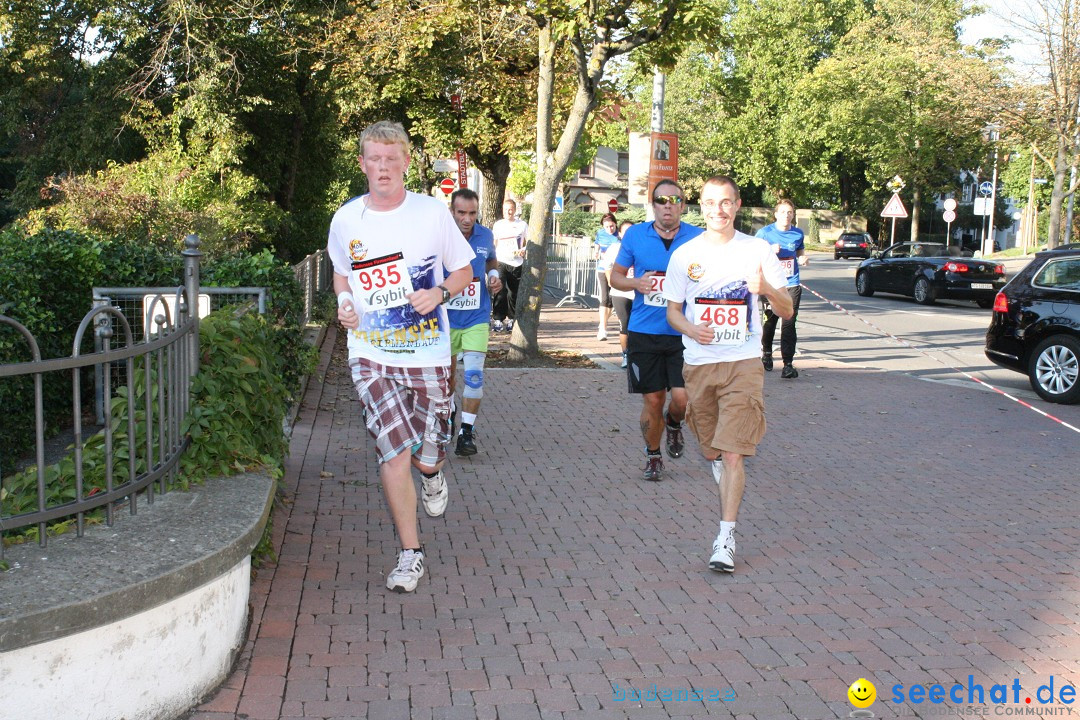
(474, 375)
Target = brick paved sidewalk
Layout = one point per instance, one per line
(892, 529)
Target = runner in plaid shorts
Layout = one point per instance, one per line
(391, 249)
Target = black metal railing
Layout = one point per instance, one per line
(142, 433)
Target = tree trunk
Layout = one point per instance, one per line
(495, 167)
(1057, 198)
(916, 199)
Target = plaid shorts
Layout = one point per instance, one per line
(408, 409)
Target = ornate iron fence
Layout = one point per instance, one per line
(144, 434)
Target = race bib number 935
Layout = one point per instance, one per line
(381, 282)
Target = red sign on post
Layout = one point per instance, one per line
(613, 205)
(462, 158)
(447, 186)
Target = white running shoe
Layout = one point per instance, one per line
(410, 568)
(717, 470)
(601, 333)
(509, 326)
(723, 554)
(497, 326)
(435, 494)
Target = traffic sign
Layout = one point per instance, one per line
(950, 203)
(948, 216)
(447, 186)
(894, 209)
(613, 205)
(986, 188)
(558, 207)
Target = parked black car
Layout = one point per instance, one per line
(1036, 325)
(853, 245)
(930, 271)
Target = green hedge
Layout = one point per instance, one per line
(238, 403)
(45, 284)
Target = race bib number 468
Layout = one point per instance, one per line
(726, 316)
(655, 296)
(381, 282)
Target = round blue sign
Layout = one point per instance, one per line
(986, 188)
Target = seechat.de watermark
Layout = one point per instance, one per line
(629, 693)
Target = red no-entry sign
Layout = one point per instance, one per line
(447, 186)
(613, 205)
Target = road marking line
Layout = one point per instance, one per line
(938, 360)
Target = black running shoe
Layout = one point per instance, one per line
(465, 445)
(654, 468)
(766, 360)
(675, 445)
(789, 372)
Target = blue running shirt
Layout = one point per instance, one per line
(790, 242)
(472, 306)
(643, 250)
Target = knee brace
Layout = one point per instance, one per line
(474, 375)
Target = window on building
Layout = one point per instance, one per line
(969, 190)
(624, 163)
(586, 171)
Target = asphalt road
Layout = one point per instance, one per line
(940, 343)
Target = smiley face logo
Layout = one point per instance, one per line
(357, 249)
(862, 693)
(695, 271)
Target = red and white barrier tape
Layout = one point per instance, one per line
(968, 375)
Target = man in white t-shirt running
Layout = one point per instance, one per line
(390, 250)
(714, 285)
(511, 233)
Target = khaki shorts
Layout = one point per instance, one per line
(726, 406)
(473, 338)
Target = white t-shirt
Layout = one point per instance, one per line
(510, 235)
(710, 278)
(607, 260)
(386, 255)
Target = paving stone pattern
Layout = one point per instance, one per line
(893, 529)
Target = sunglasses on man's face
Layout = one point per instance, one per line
(666, 199)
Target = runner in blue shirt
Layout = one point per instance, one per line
(787, 240)
(469, 311)
(654, 349)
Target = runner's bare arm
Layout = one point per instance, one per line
(424, 301)
(346, 312)
(778, 298)
(676, 319)
(619, 281)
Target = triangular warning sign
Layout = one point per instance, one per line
(894, 209)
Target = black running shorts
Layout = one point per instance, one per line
(655, 362)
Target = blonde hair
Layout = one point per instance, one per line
(387, 132)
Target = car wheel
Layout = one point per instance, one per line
(835, 255)
(1054, 369)
(862, 284)
(985, 304)
(924, 294)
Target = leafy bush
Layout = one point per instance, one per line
(238, 403)
(45, 283)
(160, 199)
